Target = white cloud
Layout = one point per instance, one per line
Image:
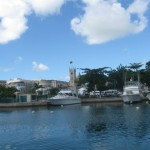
(6, 69)
(19, 58)
(39, 67)
(13, 15)
(44, 7)
(12, 19)
(104, 21)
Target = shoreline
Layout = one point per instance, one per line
(101, 100)
(45, 102)
(23, 104)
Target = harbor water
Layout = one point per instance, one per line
(76, 127)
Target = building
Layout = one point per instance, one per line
(72, 72)
(46, 85)
(26, 86)
(22, 85)
(52, 83)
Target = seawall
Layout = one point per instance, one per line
(24, 104)
(101, 100)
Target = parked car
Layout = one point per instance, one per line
(95, 94)
(109, 93)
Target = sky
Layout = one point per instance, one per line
(39, 38)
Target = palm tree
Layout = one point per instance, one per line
(147, 67)
(135, 66)
(135, 69)
(36, 86)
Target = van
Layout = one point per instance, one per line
(109, 93)
(95, 93)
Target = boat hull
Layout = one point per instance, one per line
(131, 98)
(64, 101)
(148, 96)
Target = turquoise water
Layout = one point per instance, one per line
(77, 127)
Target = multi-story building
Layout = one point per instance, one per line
(26, 86)
(53, 83)
(23, 86)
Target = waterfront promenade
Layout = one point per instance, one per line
(24, 104)
(101, 100)
(44, 102)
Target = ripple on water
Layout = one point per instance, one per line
(90, 127)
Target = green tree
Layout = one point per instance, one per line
(116, 77)
(134, 67)
(145, 74)
(6, 92)
(95, 78)
(53, 91)
(147, 66)
(36, 86)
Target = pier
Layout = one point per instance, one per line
(24, 104)
(101, 100)
(44, 102)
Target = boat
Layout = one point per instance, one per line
(132, 92)
(65, 97)
(148, 96)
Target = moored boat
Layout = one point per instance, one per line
(65, 97)
(132, 92)
(148, 96)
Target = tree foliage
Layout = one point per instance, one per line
(95, 78)
(54, 91)
(106, 78)
(36, 86)
(6, 92)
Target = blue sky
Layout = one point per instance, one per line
(38, 38)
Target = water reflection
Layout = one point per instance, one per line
(137, 120)
(88, 126)
(95, 127)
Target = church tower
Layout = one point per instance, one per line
(72, 72)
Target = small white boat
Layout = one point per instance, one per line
(65, 97)
(132, 92)
(148, 96)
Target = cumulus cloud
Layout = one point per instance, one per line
(39, 67)
(12, 19)
(13, 15)
(104, 21)
(44, 7)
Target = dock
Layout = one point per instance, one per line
(24, 104)
(101, 100)
(45, 102)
